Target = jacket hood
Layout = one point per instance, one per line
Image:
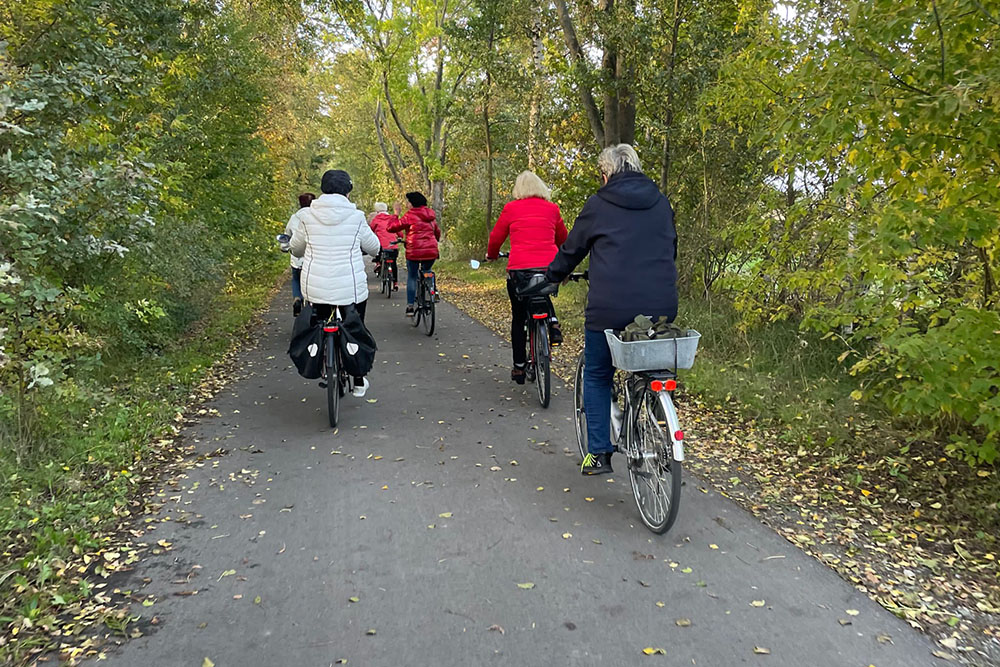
(425, 213)
(631, 190)
(333, 208)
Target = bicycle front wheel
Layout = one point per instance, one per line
(333, 386)
(655, 475)
(540, 344)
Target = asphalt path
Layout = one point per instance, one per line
(410, 535)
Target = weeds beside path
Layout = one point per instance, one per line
(899, 538)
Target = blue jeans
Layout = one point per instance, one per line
(296, 283)
(598, 374)
(413, 270)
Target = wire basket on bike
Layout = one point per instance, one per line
(653, 355)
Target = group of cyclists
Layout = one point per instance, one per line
(626, 227)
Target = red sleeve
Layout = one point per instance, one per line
(397, 224)
(437, 230)
(561, 232)
(498, 235)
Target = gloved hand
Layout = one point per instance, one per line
(285, 247)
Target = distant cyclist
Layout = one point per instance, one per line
(422, 236)
(536, 230)
(305, 199)
(627, 228)
(380, 225)
(330, 238)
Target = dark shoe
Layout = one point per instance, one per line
(518, 375)
(555, 334)
(596, 464)
(409, 310)
(296, 307)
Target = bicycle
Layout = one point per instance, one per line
(644, 423)
(536, 296)
(333, 367)
(387, 270)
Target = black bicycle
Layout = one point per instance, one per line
(423, 308)
(335, 380)
(536, 295)
(388, 270)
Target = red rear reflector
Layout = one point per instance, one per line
(670, 385)
(540, 317)
(678, 435)
(656, 385)
(331, 329)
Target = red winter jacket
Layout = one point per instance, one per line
(422, 233)
(380, 225)
(536, 231)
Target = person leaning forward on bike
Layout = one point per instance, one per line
(380, 225)
(627, 228)
(536, 230)
(330, 238)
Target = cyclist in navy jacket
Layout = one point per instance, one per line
(627, 228)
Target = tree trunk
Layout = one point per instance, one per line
(382, 145)
(537, 53)
(580, 65)
(489, 134)
(669, 120)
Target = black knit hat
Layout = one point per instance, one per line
(336, 182)
(416, 199)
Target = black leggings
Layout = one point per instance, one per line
(322, 312)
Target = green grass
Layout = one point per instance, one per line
(101, 446)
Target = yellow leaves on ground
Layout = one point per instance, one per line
(654, 651)
(528, 585)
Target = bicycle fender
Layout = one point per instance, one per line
(673, 424)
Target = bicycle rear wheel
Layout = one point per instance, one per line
(333, 385)
(428, 308)
(653, 472)
(540, 352)
(580, 416)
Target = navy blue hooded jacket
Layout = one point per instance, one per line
(628, 229)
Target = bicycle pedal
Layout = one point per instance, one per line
(322, 384)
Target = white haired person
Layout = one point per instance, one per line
(380, 225)
(536, 230)
(627, 228)
(330, 238)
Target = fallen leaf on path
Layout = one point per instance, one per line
(756, 603)
(852, 612)
(354, 598)
(566, 536)
(660, 604)
(713, 546)
(227, 573)
(844, 621)
(760, 650)
(528, 585)
(445, 515)
(497, 628)
(943, 655)
(257, 600)
(654, 651)
(683, 622)
(370, 632)
(207, 663)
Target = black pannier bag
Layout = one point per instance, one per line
(357, 345)
(306, 346)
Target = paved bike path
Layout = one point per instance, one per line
(417, 509)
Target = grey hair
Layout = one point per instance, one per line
(616, 159)
(381, 207)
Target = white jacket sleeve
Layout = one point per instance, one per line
(369, 241)
(297, 246)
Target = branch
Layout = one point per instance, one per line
(382, 146)
(407, 137)
(579, 63)
(937, 18)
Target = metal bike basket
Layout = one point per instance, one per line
(653, 355)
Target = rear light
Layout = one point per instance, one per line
(670, 385)
(331, 329)
(678, 435)
(656, 385)
(540, 316)
(661, 385)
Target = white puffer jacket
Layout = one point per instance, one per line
(331, 234)
(293, 224)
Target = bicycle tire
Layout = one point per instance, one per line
(333, 384)
(654, 475)
(429, 316)
(418, 309)
(580, 420)
(541, 352)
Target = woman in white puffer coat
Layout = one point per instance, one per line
(330, 238)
